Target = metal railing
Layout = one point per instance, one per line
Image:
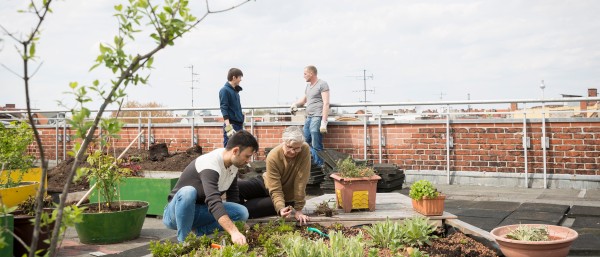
(445, 112)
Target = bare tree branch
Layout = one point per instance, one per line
(11, 71)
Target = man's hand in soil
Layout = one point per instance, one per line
(238, 238)
(285, 212)
(300, 217)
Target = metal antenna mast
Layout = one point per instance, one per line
(191, 67)
(365, 90)
(441, 94)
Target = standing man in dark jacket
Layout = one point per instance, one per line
(195, 202)
(231, 107)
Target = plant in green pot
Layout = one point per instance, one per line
(426, 199)
(148, 186)
(14, 163)
(110, 220)
(355, 186)
(534, 240)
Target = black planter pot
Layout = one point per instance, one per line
(24, 230)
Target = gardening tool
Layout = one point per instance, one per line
(218, 246)
(316, 230)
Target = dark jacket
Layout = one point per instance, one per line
(231, 108)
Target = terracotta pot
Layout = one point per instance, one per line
(355, 193)
(430, 207)
(560, 242)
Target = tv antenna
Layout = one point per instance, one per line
(191, 67)
(442, 94)
(365, 90)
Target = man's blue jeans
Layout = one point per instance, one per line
(312, 135)
(183, 214)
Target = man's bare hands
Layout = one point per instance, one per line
(238, 238)
(285, 212)
(300, 217)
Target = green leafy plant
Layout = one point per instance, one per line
(417, 231)
(415, 252)
(385, 234)
(529, 233)
(284, 226)
(294, 245)
(346, 246)
(347, 168)
(167, 21)
(423, 189)
(14, 141)
(170, 249)
(106, 171)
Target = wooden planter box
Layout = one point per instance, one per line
(355, 193)
(430, 207)
(154, 189)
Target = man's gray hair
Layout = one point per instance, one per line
(292, 133)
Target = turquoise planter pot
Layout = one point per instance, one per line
(112, 227)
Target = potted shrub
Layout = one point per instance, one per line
(14, 163)
(534, 240)
(151, 187)
(355, 186)
(426, 199)
(109, 221)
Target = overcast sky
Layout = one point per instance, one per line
(415, 50)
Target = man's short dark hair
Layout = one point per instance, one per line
(234, 72)
(243, 139)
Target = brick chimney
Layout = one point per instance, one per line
(514, 106)
(592, 92)
(582, 106)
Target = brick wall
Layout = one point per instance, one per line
(484, 147)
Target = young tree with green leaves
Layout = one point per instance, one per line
(166, 22)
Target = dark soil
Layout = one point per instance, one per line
(114, 207)
(173, 162)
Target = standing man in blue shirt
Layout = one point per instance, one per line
(231, 108)
(316, 98)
